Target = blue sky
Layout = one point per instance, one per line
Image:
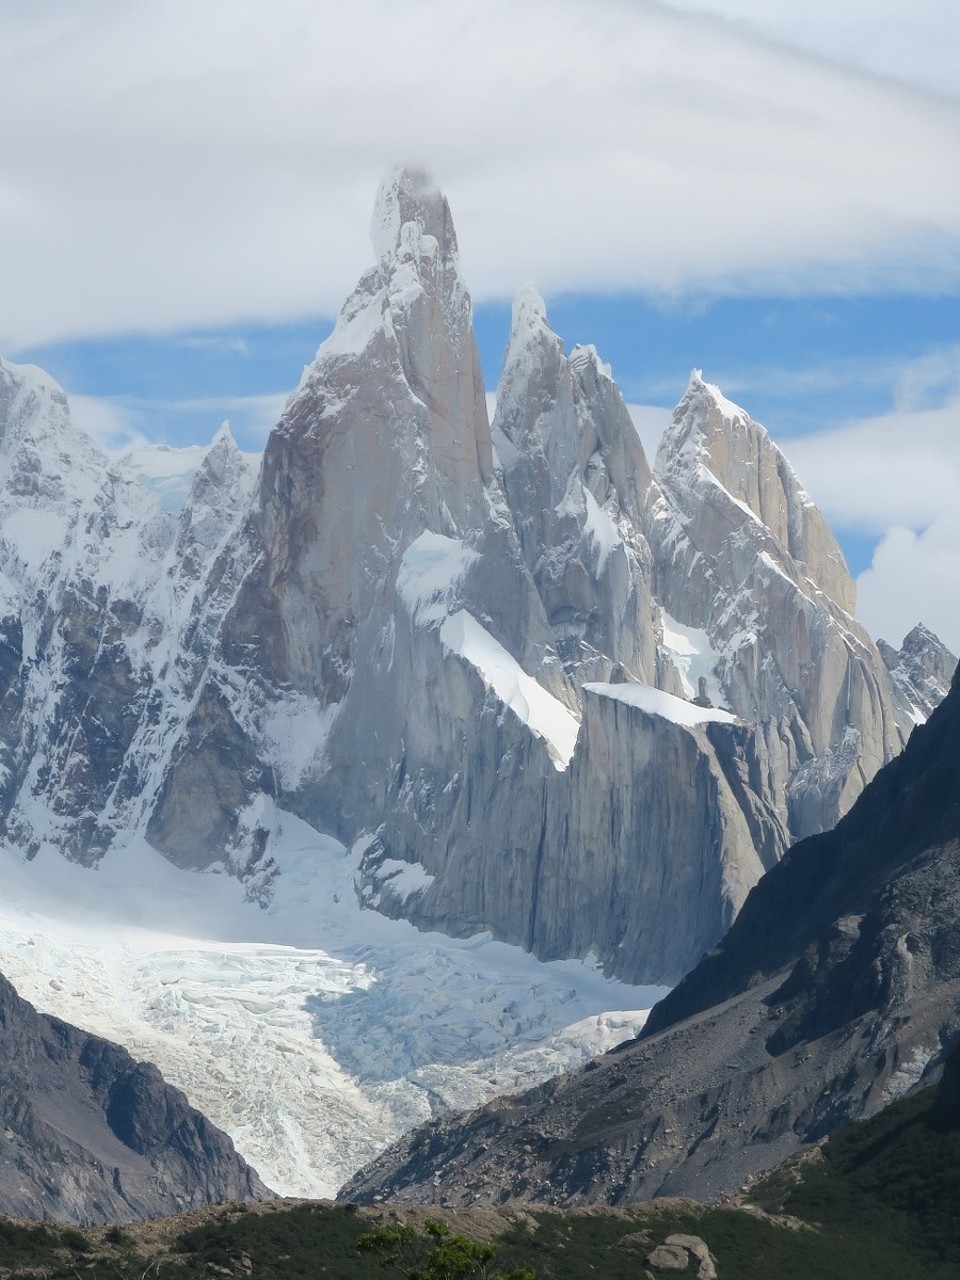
(768, 193)
(799, 365)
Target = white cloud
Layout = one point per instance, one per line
(915, 578)
(650, 420)
(902, 468)
(214, 342)
(897, 476)
(121, 423)
(170, 165)
(910, 40)
(114, 425)
(251, 417)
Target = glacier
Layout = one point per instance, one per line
(314, 1031)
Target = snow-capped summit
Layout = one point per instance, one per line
(744, 556)
(574, 474)
(922, 668)
(386, 436)
(712, 439)
(410, 207)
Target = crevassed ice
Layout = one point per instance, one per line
(313, 1032)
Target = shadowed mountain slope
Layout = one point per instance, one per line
(836, 991)
(90, 1135)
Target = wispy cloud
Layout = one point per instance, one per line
(214, 342)
(896, 476)
(857, 373)
(171, 165)
(114, 425)
(914, 41)
(900, 468)
(120, 423)
(265, 408)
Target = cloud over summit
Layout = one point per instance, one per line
(168, 165)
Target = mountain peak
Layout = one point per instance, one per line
(923, 668)
(410, 197)
(698, 389)
(28, 375)
(224, 436)
(585, 355)
(529, 308)
(29, 397)
(715, 442)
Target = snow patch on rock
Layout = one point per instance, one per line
(693, 655)
(430, 574)
(657, 703)
(540, 711)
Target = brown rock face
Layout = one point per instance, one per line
(386, 436)
(750, 467)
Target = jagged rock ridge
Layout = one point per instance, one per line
(469, 648)
(108, 609)
(743, 555)
(922, 668)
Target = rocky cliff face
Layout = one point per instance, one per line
(90, 1135)
(110, 606)
(574, 475)
(79, 553)
(835, 991)
(592, 702)
(744, 556)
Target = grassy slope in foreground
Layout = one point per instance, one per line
(880, 1200)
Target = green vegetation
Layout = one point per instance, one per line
(880, 1201)
(29, 1245)
(896, 1176)
(436, 1253)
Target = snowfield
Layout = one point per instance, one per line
(313, 1032)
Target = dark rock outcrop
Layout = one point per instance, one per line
(89, 1135)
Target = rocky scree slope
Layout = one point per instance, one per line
(475, 649)
(90, 1135)
(836, 991)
